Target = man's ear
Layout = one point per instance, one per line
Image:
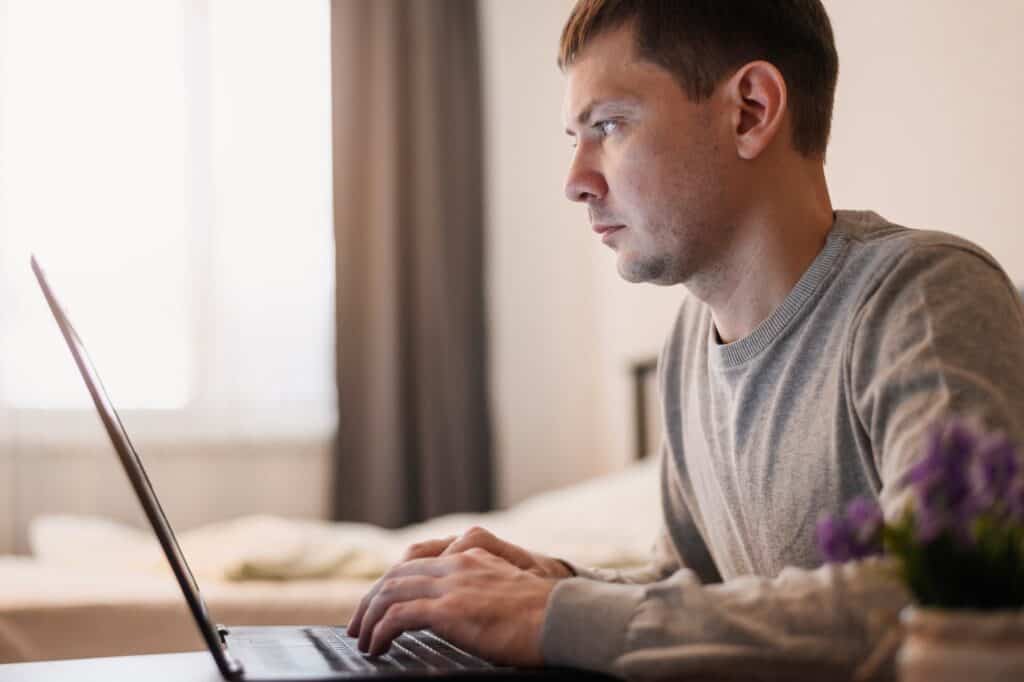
(757, 98)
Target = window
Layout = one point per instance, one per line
(169, 162)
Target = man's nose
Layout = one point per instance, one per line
(584, 182)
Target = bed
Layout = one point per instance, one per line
(69, 600)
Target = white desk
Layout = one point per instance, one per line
(197, 667)
(191, 667)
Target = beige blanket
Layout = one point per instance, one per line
(607, 522)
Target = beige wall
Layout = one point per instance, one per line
(541, 289)
(927, 122)
(924, 133)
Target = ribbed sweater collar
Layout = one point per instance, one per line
(739, 352)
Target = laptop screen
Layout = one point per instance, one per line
(139, 480)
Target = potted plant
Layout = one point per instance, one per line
(959, 548)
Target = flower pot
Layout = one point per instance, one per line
(953, 644)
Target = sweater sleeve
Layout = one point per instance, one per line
(941, 331)
(817, 624)
(940, 334)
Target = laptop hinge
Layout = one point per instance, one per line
(234, 664)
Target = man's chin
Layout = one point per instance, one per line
(631, 275)
(639, 270)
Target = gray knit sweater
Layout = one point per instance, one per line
(831, 397)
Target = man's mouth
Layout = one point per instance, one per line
(607, 231)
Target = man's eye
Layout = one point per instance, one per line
(606, 128)
(602, 128)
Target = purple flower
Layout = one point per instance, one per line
(964, 477)
(934, 520)
(865, 518)
(855, 535)
(991, 471)
(1015, 499)
(835, 539)
(940, 482)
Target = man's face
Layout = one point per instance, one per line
(650, 165)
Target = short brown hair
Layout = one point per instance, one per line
(701, 42)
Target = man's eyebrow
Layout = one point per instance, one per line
(613, 103)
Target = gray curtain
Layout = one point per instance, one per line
(414, 435)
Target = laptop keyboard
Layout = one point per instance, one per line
(419, 650)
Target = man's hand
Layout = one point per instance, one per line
(474, 599)
(479, 537)
(474, 538)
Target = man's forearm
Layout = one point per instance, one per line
(828, 619)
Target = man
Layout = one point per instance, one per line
(813, 352)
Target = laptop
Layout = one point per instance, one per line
(279, 653)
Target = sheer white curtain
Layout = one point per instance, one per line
(169, 163)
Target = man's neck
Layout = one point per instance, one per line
(768, 258)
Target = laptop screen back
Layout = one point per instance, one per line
(139, 480)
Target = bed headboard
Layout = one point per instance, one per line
(646, 415)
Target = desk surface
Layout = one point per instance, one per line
(195, 666)
(188, 667)
(191, 667)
